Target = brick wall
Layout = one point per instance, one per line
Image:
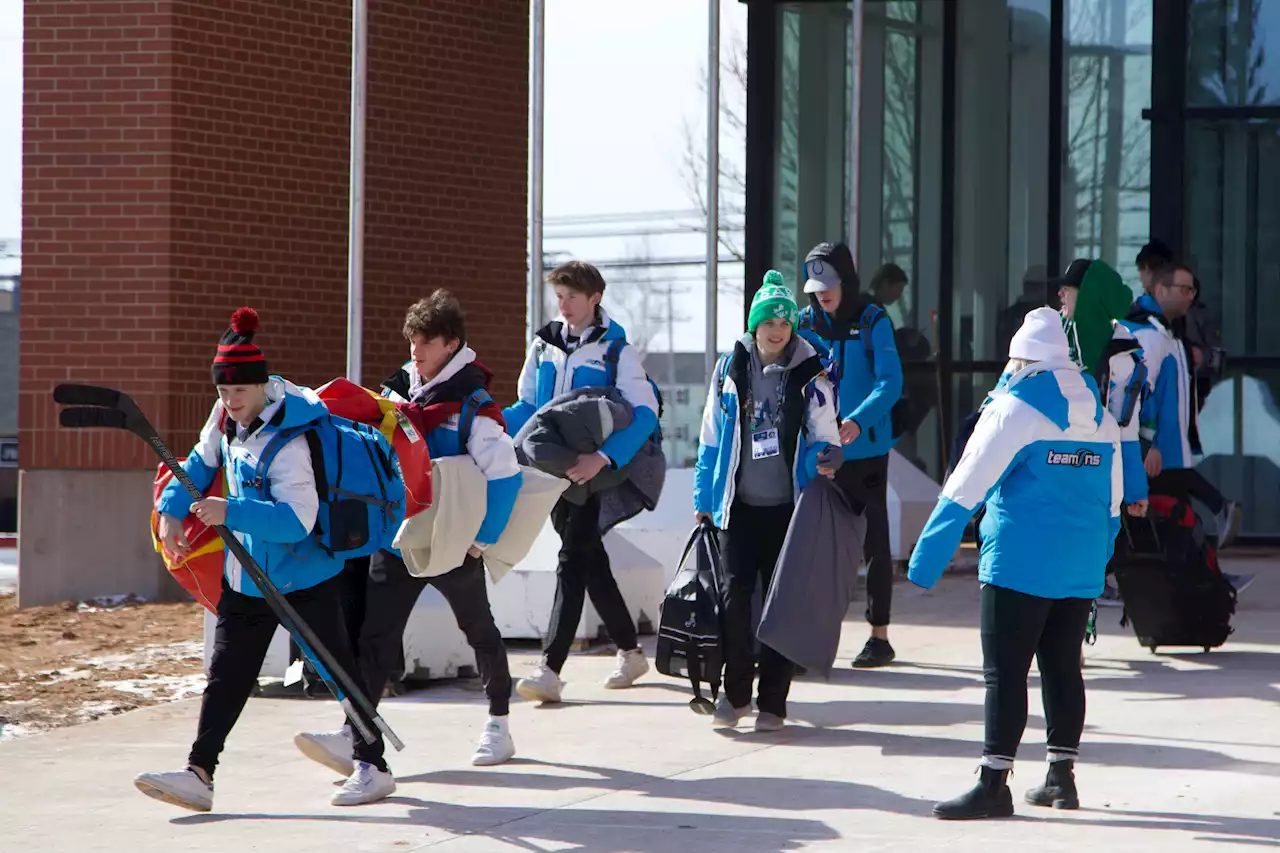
(95, 220)
(447, 174)
(182, 158)
(185, 157)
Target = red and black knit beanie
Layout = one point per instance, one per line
(239, 361)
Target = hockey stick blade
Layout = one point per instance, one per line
(86, 417)
(88, 395)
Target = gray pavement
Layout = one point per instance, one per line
(1182, 752)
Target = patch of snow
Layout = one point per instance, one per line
(166, 688)
(94, 710)
(13, 731)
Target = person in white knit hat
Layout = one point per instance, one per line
(1045, 459)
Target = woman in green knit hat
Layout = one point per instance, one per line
(769, 427)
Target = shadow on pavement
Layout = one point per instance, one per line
(752, 792)
(1217, 829)
(1094, 751)
(584, 830)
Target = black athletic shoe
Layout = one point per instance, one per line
(991, 797)
(1059, 788)
(875, 653)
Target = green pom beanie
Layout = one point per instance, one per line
(774, 300)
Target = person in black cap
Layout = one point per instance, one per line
(854, 336)
(273, 515)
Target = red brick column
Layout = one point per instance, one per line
(182, 158)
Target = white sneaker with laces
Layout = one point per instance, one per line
(332, 749)
(544, 685)
(366, 784)
(495, 745)
(631, 665)
(182, 788)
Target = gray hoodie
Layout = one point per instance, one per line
(766, 481)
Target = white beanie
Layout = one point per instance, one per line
(1041, 337)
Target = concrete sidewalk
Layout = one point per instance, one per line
(1182, 752)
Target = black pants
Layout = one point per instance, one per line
(246, 625)
(1015, 628)
(750, 547)
(584, 570)
(1188, 483)
(390, 594)
(866, 483)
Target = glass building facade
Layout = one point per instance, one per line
(980, 145)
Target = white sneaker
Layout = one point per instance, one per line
(726, 716)
(631, 665)
(766, 722)
(366, 784)
(495, 746)
(181, 788)
(543, 686)
(332, 749)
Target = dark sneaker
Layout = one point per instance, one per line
(875, 653)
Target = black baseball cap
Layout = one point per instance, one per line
(1074, 276)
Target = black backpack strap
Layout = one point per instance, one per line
(866, 323)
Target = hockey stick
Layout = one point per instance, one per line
(106, 408)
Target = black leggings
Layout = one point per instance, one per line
(1015, 628)
(751, 546)
(389, 596)
(866, 483)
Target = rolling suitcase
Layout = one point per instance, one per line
(1174, 594)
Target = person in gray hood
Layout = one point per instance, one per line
(769, 427)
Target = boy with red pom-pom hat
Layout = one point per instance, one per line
(274, 521)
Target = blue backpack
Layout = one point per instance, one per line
(611, 356)
(362, 498)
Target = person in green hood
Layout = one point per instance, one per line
(1093, 298)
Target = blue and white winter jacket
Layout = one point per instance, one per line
(1167, 412)
(866, 388)
(274, 523)
(1045, 458)
(553, 368)
(487, 445)
(808, 425)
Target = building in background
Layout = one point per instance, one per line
(681, 376)
(998, 139)
(165, 185)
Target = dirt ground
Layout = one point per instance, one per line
(74, 662)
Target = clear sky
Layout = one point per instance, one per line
(623, 82)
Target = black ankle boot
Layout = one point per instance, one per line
(1059, 788)
(991, 797)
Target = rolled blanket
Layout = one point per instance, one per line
(579, 422)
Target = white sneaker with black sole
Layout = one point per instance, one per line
(631, 665)
(332, 749)
(182, 788)
(366, 784)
